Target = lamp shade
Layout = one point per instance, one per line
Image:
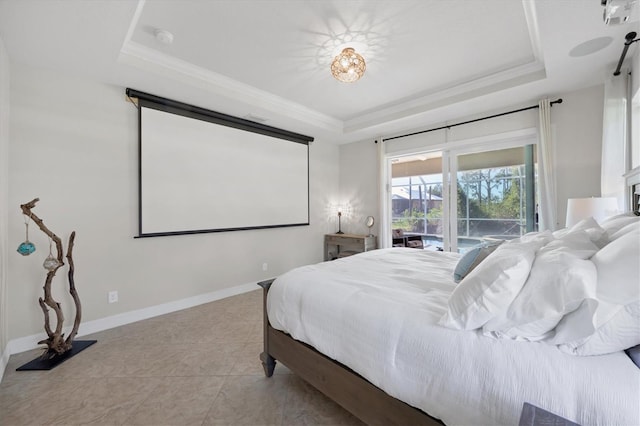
(597, 207)
(343, 209)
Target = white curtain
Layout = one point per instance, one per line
(614, 139)
(384, 227)
(547, 209)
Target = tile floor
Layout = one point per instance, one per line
(198, 366)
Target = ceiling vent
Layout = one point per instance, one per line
(618, 12)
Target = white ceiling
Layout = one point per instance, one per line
(428, 61)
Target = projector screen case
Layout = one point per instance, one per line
(202, 171)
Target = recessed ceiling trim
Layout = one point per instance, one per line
(531, 16)
(152, 60)
(502, 80)
(134, 23)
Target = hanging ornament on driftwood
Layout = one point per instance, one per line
(59, 346)
(26, 248)
(50, 263)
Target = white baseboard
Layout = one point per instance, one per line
(27, 343)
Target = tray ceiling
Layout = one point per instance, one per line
(428, 61)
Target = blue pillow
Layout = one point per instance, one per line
(471, 259)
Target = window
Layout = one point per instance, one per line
(496, 200)
(456, 199)
(417, 195)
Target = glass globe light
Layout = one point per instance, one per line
(348, 66)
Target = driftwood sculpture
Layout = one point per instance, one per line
(56, 342)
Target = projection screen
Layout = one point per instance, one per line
(202, 171)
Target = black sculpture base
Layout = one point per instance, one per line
(44, 363)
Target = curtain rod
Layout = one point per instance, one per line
(559, 101)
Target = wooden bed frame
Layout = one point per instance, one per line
(341, 384)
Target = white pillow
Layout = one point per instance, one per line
(578, 243)
(576, 326)
(621, 332)
(490, 288)
(615, 216)
(559, 283)
(543, 237)
(614, 323)
(631, 227)
(618, 265)
(597, 234)
(616, 223)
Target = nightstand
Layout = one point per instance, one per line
(341, 245)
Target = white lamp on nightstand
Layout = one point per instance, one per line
(597, 207)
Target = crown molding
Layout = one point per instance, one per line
(498, 81)
(151, 60)
(531, 16)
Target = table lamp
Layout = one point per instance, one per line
(597, 207)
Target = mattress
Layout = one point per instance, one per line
(377, 313)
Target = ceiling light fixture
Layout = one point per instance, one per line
(348, 66)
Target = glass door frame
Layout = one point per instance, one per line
(450, 151)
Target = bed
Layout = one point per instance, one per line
(392, 337)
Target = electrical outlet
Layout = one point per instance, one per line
(113, 296)
(265, 266)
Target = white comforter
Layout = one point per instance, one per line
(377, 313)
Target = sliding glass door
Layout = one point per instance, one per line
(454, 200)
(494, 195)
(417, 199)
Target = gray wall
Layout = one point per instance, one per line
(74, 145)
(578, 133)
(358, 177)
